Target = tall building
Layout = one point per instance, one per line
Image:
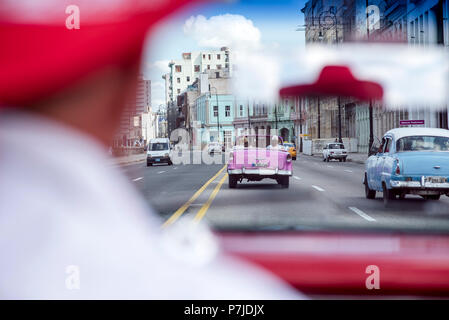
(186, 71)
(133, 120)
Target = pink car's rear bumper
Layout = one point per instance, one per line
(260, 171)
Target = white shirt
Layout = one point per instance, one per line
(72, 227)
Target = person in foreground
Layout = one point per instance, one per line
(73, 227)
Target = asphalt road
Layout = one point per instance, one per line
(321, 196)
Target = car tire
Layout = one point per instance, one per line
(232, 181)
(344, 159)
(170, 163)
(388, 195)
(369, 194)
(341, 160)
(149, 164)
(284, 181)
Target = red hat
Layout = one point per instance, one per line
(337, 81)
(41, 55)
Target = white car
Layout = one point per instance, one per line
(335, 150)
(158, 151)
(214, 147)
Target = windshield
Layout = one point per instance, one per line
(422, 143)
(315, 77)
(158, 146)
(336, 146)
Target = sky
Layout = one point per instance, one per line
(260, 26)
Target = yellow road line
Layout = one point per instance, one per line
(184, 207)
(202, 212)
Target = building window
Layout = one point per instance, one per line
(227, 111)
(188, 79)
(209, 56)
(219, 66)
(218, 57)
(179, 91)
(178, 68)
(215, 111)
(197, 68)
(208, 67)
(204, 56)
(178, 80)
(241, 110)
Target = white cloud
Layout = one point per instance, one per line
(229, 30)
(159, 66)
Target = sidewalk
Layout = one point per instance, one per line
(133, 158)
(352, 157)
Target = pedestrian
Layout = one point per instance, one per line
(71, 226)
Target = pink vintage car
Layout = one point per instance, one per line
(258, 157)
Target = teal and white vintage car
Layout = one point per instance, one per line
(409, 161)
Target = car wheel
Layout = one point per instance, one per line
(341, 160)
(388, 195)
(232, 181)
(369, 194)
(170, 163)
(344, 159)
(149, 164)
(284, 181)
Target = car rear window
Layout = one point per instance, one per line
(158, 146)
(422, 143)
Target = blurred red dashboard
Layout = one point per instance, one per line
(343, 264)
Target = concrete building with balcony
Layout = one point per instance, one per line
(185, 72)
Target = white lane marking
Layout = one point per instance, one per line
(137, 179)
(318, 188)
(362, 214)
(329, 166)
(297, 178)
(348, 170)
(160, 172)
(175, 168)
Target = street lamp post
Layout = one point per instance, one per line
(371, 130)
(339, 121)
(218, 113)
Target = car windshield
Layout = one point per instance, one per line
(158, 146)
(422, 143)
(336, 146)
(320, 77)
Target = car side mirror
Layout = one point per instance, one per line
(374, 150)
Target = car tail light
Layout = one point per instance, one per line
(398, 170)
(332, 152)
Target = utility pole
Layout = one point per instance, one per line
(276, 118)
(218, 113)
(371, 130)
(319, 119)
(249, 120)
(300, 124)
(339, 120)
